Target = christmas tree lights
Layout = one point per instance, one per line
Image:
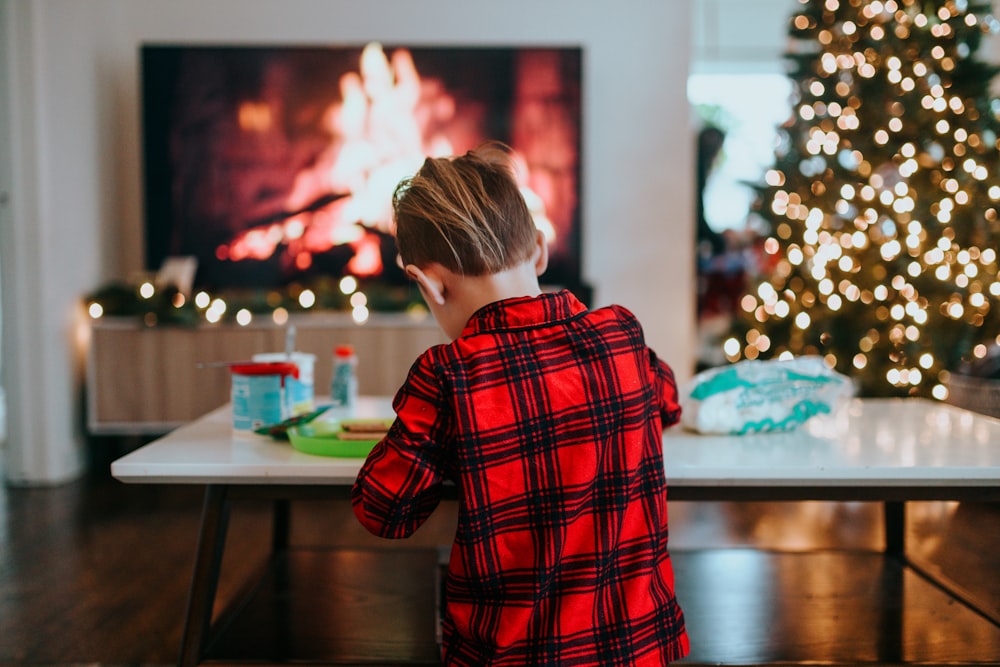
(881, 209)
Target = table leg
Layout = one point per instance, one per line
(205, 575)
(280, 529)
(895, 546)
(281, 526)
(894, 514)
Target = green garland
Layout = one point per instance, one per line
(166, 306)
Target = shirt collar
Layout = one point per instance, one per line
(524, 311)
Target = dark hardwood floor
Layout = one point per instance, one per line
(96, 572)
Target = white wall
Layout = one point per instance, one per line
(62, 147)
(5, 189)
(736, 35)
(77, 211)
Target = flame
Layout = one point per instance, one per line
(367, 260)
(254, 116)
(387, 122)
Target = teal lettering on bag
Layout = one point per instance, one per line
(801, 411)
(730, 379)
(727, 380)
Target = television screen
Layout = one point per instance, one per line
(276, 164)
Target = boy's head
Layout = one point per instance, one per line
(464, 213)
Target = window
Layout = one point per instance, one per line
(747, 107)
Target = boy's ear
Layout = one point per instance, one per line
(430, 283)
(541, 254)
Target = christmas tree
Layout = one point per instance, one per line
(881, 210)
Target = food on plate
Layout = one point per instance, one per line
(365, 427)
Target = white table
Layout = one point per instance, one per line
(873, 450)
(900, 449)
(208, 451)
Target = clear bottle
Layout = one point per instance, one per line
(344, 385)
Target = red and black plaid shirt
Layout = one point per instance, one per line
(548, 418)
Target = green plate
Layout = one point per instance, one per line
(322, 438)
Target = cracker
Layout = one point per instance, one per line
(365, 425)
(361, 435)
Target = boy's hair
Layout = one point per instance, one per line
(465, 213)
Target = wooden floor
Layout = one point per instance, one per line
(96, 572)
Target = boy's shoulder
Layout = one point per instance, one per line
(618, 310)
(619, 313)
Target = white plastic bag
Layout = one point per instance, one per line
(756, 396)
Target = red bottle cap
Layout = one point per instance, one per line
(282, 368)
(344, 351)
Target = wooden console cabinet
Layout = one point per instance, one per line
(143, 380)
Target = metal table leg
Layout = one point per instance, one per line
(281, 526)
(894, 513)
(205, 575)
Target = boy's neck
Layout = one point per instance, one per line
(464, 295)
(454, 298)
(478, 291)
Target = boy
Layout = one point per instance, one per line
(548, 419)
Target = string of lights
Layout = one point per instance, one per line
(166, 305)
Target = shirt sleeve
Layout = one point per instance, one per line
(399, 484)
(666, 390)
